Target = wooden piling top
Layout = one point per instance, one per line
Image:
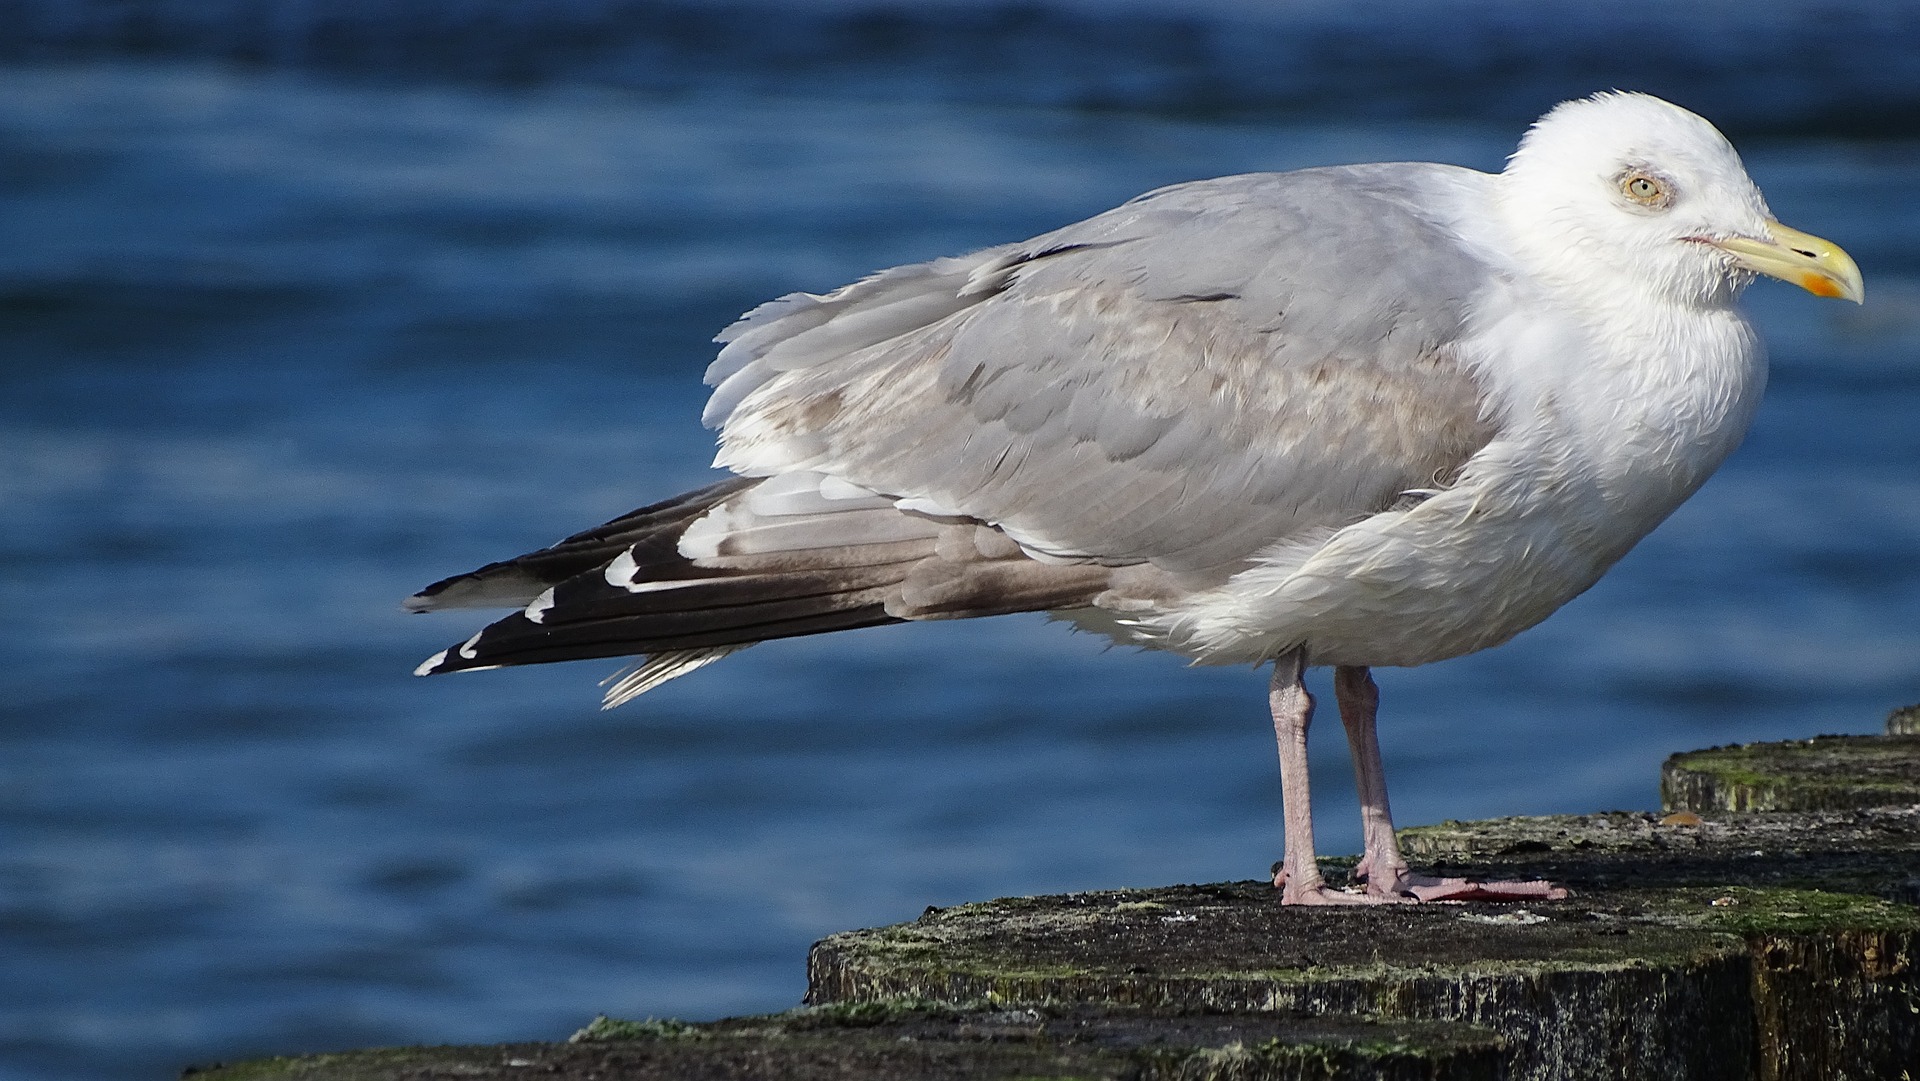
(1619, 983)
(924, 1041)
(1873, 851)
(1825, 773)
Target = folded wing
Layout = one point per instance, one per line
(1141, 402)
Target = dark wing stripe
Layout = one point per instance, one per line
(534, 644)
(589, 597)
(499, 640)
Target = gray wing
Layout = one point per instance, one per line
(1181, 381)
(1139, 403)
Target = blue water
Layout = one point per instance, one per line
(283, 340)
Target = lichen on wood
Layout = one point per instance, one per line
(1826, 773)
(1648, 983)
(1873, 851)
(921, 1041)
(1834, 983)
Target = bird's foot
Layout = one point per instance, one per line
(1315, 891)
(1430, 888)
(1402, 883)
(1407, 888)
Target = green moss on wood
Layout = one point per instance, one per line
(1875, 851)
(1629, 983)
(378, 1064)
(1776, 912)
(1820, 774)
(901, 1041)
(1571, 992)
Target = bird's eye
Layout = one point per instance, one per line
(1646, 190)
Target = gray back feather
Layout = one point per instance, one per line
(1182, 380)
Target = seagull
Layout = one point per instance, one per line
(1362, 415)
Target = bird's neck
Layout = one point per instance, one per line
(1657, 399)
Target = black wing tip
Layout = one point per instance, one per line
(435, 664)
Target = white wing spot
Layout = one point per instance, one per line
(703, 538)
(537, 611)
(620, 572)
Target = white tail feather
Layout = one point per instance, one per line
(644, 675)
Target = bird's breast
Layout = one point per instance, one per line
(1582, 470)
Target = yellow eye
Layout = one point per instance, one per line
(1645, 190)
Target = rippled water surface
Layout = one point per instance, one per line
(281, 343)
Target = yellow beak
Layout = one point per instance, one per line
(1819, 266)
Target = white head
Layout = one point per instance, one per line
(1624, 190)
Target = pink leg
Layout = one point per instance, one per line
(1381, 864)
(1299, 875)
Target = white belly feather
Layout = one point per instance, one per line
(1590, 464)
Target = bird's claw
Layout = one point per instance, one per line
(1412, 889)
(1429, 888)
(1315, 891)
